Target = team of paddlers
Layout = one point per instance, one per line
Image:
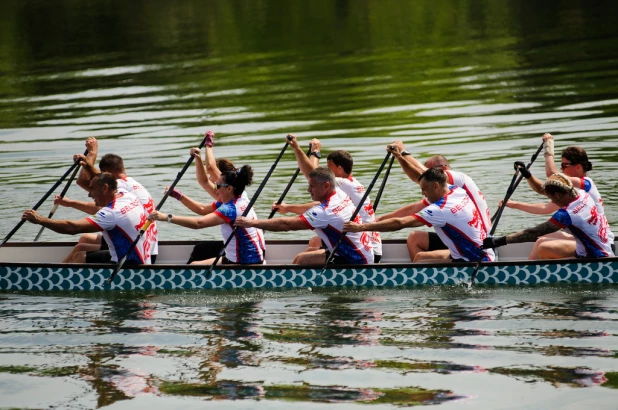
(122, 215)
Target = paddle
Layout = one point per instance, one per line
(379, 195)
(62, 194)
(509, 192)
(356, 211)
(514, 186)
(35, 207)
(287, 188)
(148, 223)
(255, 197)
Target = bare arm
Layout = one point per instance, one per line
(201, 171)
(293, 208)
(550, 164)
(195, 206)
(536, 209)
(61, 226)
(388, 225)
(531, 234)
(536, 185)
(88, 207)
(305, 164)
(403, 211)
(88, 169)
(193, 222)
(279, 224)
(409, 164)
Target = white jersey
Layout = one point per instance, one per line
(355, 190)
(327, 219)
(120, 222)
(137, 189)
(459, 224)
(588, 186)
(581, 218)
(247, 245)
(464, 181)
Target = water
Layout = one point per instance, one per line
(478, 81)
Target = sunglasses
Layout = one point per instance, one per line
(565, 165)
(221, 185)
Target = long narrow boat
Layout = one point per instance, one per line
(36, 266)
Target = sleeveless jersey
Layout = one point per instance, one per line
(458, 222)
(581, 218)
(327, 219)
(120, 222)
(137, 189)
(247, 244)
(355, 190)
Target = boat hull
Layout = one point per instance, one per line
(48, 277)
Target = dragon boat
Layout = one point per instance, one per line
(34, 266)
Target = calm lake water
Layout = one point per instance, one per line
(476, 80)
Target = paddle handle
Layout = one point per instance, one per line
(255, 196)
(356, 211)
(158, 207)
(38, 204)
(287, 188)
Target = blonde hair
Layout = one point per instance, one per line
(559, 183)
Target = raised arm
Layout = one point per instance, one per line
(305, 163)
(195, 206)
(87, 163)
(535, 183)
(548, 152)
(200, 172)
(409, 164)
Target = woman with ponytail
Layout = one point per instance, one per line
(574, 165)
(247, 245)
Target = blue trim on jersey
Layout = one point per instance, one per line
(563, 218)
(467, 249)
(587, 185)
(592, 249)
(345, 249)
(121, 244)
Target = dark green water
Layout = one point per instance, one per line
(478, 81)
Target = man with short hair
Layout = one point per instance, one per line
(120, 218)
(451, 212)
(113, 164)
(334, 208)
(424, 246)
(578, 214)
(340, 162)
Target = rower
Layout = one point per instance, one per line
(90, 247)
(333, 208)
(451, 212)
(575, 165)
(340, 163)
(120, 218)
(424, 246)
(578, 214)
(247, 245)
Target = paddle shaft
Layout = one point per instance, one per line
(287, 188)
(158, 207)
(513, 187)
(35, 207)
(62, 194)
(379, 195)
(509, 192)
(356, 211)
(255, 197)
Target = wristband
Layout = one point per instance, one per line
(548, 146)
(176, 194)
